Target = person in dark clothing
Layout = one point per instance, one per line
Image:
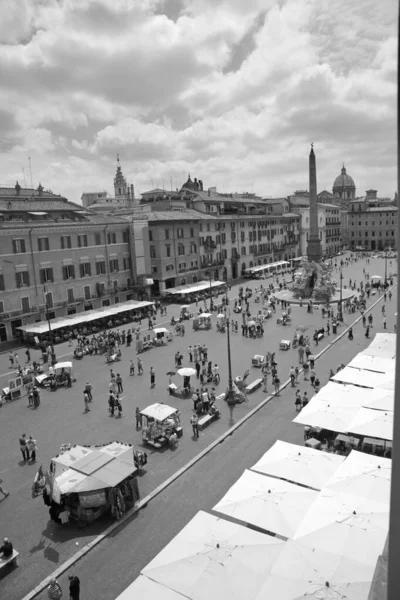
(74, 587)
(7, 548)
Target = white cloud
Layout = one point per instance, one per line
(85, 79)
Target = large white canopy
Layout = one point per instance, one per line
(347, 525)
(361, 377)
(268, 267)
(363, 475)
(192, 288)
(373, 363)
(373, 423)
(384, 341)
(327, 416)
(268, 503)
(84, 317)
(146, 589)
(304, 572)
(159, 412)
(338, 394)
(298, 464)
(212, 558)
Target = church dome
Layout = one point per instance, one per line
(344, 180)
(189, 185)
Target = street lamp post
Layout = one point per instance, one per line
(230, 397)
(386, 268)
(211, 300)
(53, 354)
(340, 301)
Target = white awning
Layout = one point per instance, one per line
(39, 214)
(84, 259)
(99, 257)
(67, 261)
(45, 265)
(21, 268)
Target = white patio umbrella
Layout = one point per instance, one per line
(271, 504)
(346, 525)
(186, 372)
(160, 330)
(212, 558)
(148, 589)
(298, 464)
(363, 475)
(220, 315)
(373, 423)
(327, 416)
(251, 323)
(304, 572)
(382, 400)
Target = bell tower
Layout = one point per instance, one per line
(120, 186)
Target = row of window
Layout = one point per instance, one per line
(180, 233)
(387, 234)
(181, 250)
(371, 224)
(46, 275)
(43, 243)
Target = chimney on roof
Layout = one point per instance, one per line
(17, 188)
(200, 185)
(40, 189)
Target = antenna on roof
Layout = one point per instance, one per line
(30, 169)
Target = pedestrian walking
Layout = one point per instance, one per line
(384, 322)
(119, 383)
(301, 354)
(138, 417)
(74, 587)
(312, 376)
(317, 384)
(32, 448)
(111, 403)
(277, 384)
(350, 336)
(16, 359)
(139, 366)
(328, 328)
(194, 421)
(265, 382)
(23, 447)
(296, 374)
(2, 490)
(28, 355)
(131, 367)
(297, 400)
(190, 352)
(88, 390)
(292, 375)
(11, 359)
(118, 406)
(36, 396)
(304, 400)
(152, 377)
(86, 401)
(54, 590)
(305, 371)
(198, 367)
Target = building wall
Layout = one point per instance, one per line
(371, 228)
(44, 263)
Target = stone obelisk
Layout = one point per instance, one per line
(314, 250)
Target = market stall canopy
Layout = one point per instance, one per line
(212, 558)
(268, 503)
(87, 469)
(274, 265)
(384, 341)
(373, 423)
(186, 372)
(87, 316)
(347, 525)
(146, 589)
(63, 365)
(159, 412)
(203, 316)
(298, 464)
(363, 475)
(305, 572)
(193, 288)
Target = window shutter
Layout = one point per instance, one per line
(1, 282)
(89, 269)
(47, 244)
(82, 270)
(14, 243)
(23, 246)
(18, 279)
(108, 238)
(41, 276)
(26, 278)
(51, 278)
(39, 243)
(73, 271)
(64, 270)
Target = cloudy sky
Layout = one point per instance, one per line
(232, 91)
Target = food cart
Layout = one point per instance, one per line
(161, 336)
(185, 312)
(221, 323)
(258, 360)
(202, 321)
(161, 425)
(85, 482)
(376, 281)
(284, 345)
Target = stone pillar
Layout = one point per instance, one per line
(314, 251)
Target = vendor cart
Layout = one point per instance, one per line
(258, 360)
(202, 321)
(161, 425)
(284, 345)
(161, 336)
(221, 323)
(185, 312)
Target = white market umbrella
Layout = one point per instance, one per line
(220, 315)
(327, 416)
(298, 464)
(148, 590)
(251, 323)
(304, 572)
(212, 558)
(159, 412)
(185, 306)
(186, 372)
(268, 503)
(382, 400)
(373, 423)
(363, 475)
(346, 525)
